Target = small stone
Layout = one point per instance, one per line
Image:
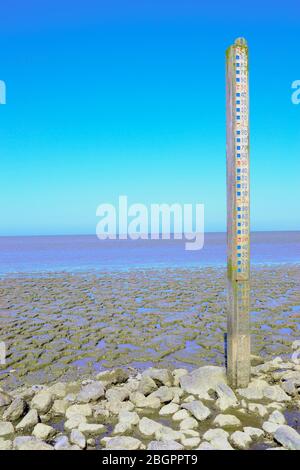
(190, 442)
(123, 443)
(35, 444)
(128, 417)
(91, 429)
(91, 442)
(5, 444)
(197, 409)
(277, 417)
(240, 439)
(165, 445)
(169, 409)
(101, 414)
(269, 427)
(91, 392)
(42, 401)
(148, 427)
(254, 391)
(226, 397)
(59, 407)
(160, 376)
(5, 399)
(84, 410)
(164, 394)
(117, 394)
(113, 377)
(226, 420)
(177, 373)
(165, 433)
(180, 415)
(275, 393)
(202, 380)
(58, 390)
(78, 438)
(15, 410)
(288, 437)
(205, 446)
(141, 401)
(188, 423)
(73, 422)
(214, 434)
(254, 433)
(61, 443)
(6, 429)
(115, 407)
(43, 431)
(146, 386)
(28, 422)
(20, 440)
(258, 409)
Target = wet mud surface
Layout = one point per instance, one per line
(65, 326)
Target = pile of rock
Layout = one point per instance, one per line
(156, 409)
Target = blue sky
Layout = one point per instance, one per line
(128, 97)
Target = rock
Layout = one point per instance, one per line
(73, 422)
(78, 438)
(42, 401)
(275, 406)
(5, 444)
(128, 417)
(61, 443)
(35, 444)
(254, 433)
(288, 437)
(165, 445)
(164, 394)
(91, 392)
(165, 433)
(269, 427)
(240, 439)
(84, 410)
(15, 410)
(101, 414)
(188, 423)
(121, 428)
(147, 386)
(20, 440)
(59, 407)
(123, 443)
(91, 442)
(117, 394)
(275, 393)
(113, 377)
(197, 409)
(43, 431)
(169, 409)
(5, 399)
(190, 442)
(58, 390)
(206, 446)
(277, 417)
(258, 409)
(226, 420)
(177, 373)
(180, 415)
(291, 386)
(89, 429)
(115, 407)
(141, 401)
(202, 380)
(254, 391)
(148, 427)
(28, 422)
(160, 376)
(215, 433)
(226, 397)
(218, 438)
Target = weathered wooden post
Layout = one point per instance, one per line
(238, 227)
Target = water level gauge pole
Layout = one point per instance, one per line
(238, 209)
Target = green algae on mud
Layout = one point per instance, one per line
(65, 326)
